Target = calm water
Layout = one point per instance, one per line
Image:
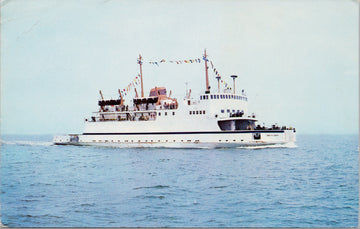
(313, 185)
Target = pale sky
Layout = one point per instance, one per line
(296, 59)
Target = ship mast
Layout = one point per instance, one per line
(121, 98)
(142, 87)
(207, 90)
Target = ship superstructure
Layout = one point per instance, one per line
(212, 119)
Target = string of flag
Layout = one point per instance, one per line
(188, 61)
(130, 86)
(216, 72)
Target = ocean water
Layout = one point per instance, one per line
(315, 184)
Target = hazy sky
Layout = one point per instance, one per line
(296, 59)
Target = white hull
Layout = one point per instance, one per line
(181, 140)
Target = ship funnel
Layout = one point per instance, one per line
(234, 77)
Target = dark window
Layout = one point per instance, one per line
(173, 113)
(200, 97)
(222, 111)
(217, 96)
(211, 96)
(190, 112)
(197, 112)
(159, 114)
(165, 113)
(200, 112)
(206, 96)
(203, 112)
(233, 111)
(228, 110)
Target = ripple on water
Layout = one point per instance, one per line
(153, 187)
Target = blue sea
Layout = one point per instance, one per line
(315, 184)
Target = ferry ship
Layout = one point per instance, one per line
(214, 119)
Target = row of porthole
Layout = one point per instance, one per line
(238, 97)
(196, 112)
(165, 113)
